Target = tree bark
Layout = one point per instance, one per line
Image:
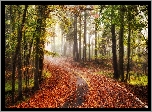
(80, 39)
(89, 48)
(37, 45)
(75, 39)
(43, 25)
(84, 42)
(115, 66)
(28, 59)
(121, 45)
(128, 51)
(36, 72)
(95, 42)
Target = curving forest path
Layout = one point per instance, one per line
(74, 86)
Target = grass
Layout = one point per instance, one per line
(8, 88)
(8, 84)
(134, 79)
(141, 80)
(107, 74)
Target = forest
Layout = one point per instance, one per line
(76, 56)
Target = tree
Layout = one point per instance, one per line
(11, 44)
(38, 33)
(129, 34)
(44, 15)
(84, 41)
(95, 42)
(17, 54)
(115, 67)
(75, 48)
(121, 45)
(80, 38)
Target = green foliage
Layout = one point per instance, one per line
(106, 73)
(46, 74)
(53, 54)
(8, 86)
(140, 80)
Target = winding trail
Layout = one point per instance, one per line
(87, 81)
(74, 86)
(78, 97)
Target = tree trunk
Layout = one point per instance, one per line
(41, 54)
(36, 72)
(89, 48)
(128, 51)
(62, 43)
(19, 76)
(65, 48)
(75, 39)
(37, 45)
(84, 45)
(41, 51)
(80, 40)
(92, 48)
(54, 44)
(115, 67)
(19, 66)
(28, 59)
(121, 45)
(25, 60)
(95, 42)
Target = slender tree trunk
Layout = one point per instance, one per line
(13, 60)
(65, 48)
(14, 57)
(75, 39)
(54, 44)
(19, 64)
(41, 54)
(36, 72)
(95, 51)
(115, 66)
(92, 48)
(80, 40)
(128, 52)
(28, 59)
(24, 59)
(89, 48)
(43, 25)
(19, 76)
(121, 45)
(37, 45)
(62, 43)
(84, 45)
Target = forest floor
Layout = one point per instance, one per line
(76, 85)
